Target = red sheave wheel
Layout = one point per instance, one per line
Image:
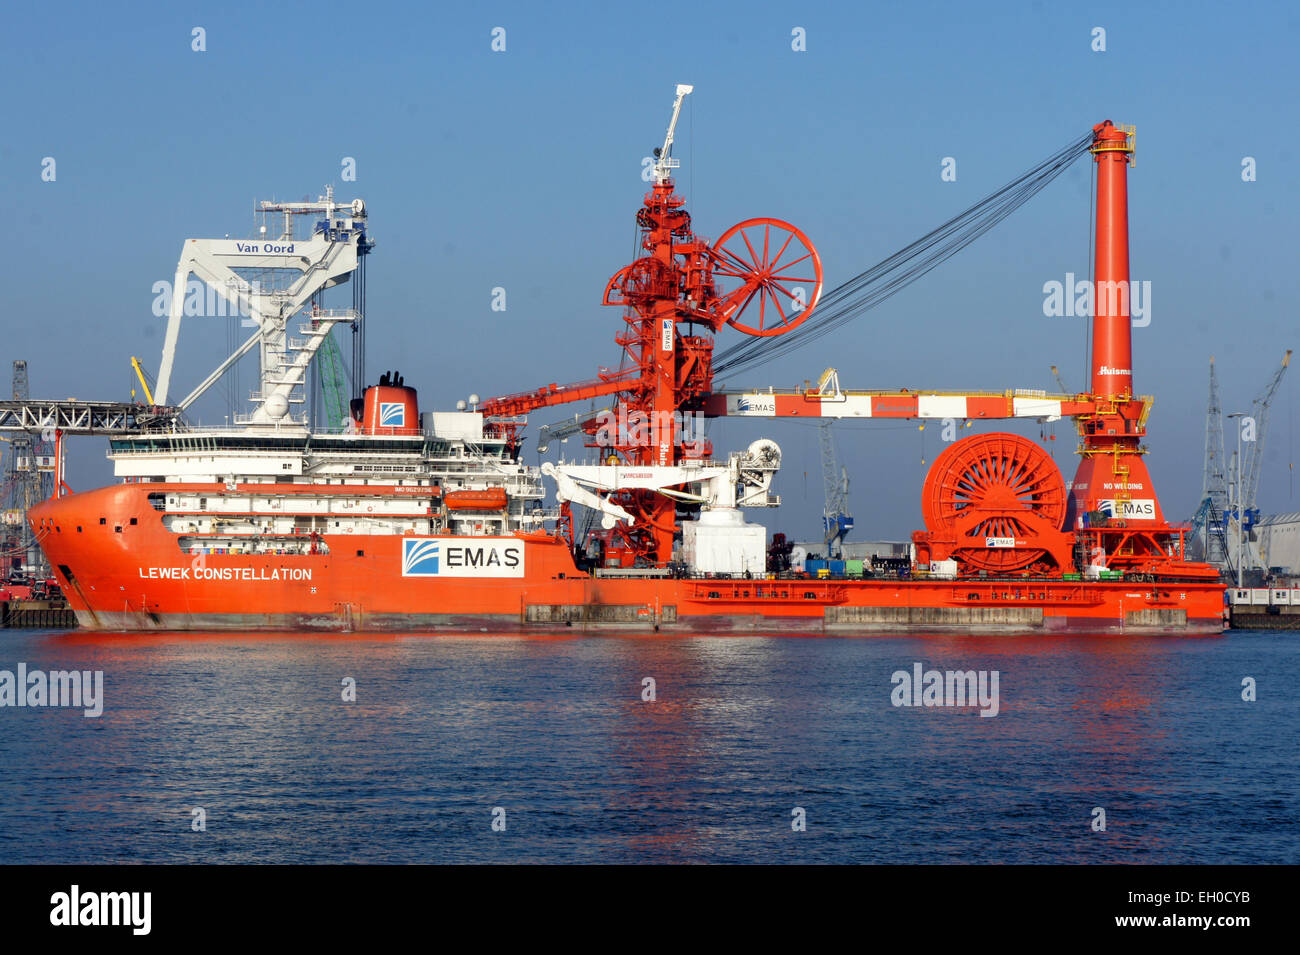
(769, 276)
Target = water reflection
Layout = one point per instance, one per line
(554, 729)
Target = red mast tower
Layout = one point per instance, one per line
(762, 277)
(1113, 505)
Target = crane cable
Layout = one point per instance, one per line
(868, 289)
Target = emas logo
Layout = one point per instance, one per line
(461, 557)
(392, 414)
(755, 404)
(420, 558)
(1138, 508)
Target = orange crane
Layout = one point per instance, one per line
(762, 277)
(994, 503)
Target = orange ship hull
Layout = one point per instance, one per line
(121, 569)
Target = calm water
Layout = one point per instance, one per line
(444, 729)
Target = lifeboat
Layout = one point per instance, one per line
(490, 499)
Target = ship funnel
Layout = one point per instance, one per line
(390, 407)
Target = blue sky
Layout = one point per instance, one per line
(522, 170)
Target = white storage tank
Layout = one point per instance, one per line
(721, 542)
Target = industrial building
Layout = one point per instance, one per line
(1277, 538)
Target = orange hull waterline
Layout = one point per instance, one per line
(126, 572)
(405, 522)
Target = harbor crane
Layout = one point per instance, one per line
(1253, 456)
(1222, 517)
(1208, 522)
(28, 480)
(836, 519)
(1245, 515)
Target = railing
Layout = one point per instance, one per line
(295, 419)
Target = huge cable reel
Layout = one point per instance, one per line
(769, 276)
(996, 503)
